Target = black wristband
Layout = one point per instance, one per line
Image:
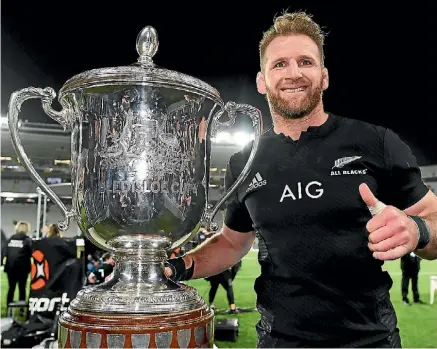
(179, 271)
(424, 234)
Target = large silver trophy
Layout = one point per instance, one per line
(140, 152)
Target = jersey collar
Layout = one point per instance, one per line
(312, 131)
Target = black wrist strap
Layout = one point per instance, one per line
(190, 271)
(424, 234)
(179, 271)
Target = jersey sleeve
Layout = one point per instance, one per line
(236, 215)
(403, 185)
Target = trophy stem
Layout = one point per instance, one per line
(141, 268)
(139, 263)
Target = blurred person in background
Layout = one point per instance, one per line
(55, 242)
(92, 264)
(104, 271)
(44, 231)
(18, 252)
(4, 245)
(410, 266)
(52, 231)
(225, 278)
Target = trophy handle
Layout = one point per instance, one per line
(216, 125)
(17, 99)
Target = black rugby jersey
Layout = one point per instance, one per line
(103, 272)
(319, 281)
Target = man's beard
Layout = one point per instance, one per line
(294, 109)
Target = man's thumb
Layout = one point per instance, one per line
(367, 195)
(375, 206)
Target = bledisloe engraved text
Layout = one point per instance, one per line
(148, 186)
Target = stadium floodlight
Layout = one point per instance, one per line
(242, 138)
(5, 123)
(237, 138)
(223, 137)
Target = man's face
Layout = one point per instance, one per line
(293, 77)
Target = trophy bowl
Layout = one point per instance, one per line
(140, 153)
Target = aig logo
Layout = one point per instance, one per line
(312, 190)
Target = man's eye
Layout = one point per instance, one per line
(280, 64)
(305, 62)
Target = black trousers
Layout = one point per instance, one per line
(224, 279)
(15, 278)
(405, 284)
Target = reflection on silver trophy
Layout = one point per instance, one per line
(140, 151)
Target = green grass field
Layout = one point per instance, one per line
(417, 323)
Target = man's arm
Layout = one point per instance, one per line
(219, 253)
(426, 208)
(401, 186)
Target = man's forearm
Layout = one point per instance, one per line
(215, 255)
(430, 250)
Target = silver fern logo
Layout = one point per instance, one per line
(339, 163)
(337, 169)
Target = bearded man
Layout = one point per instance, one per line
(329, 198)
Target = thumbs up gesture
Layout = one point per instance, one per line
(392, 234)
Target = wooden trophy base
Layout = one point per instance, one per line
(189, 329)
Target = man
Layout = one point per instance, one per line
(410, 266)
(323, 234)
(104, 271)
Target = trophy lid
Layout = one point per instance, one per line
(143, 72)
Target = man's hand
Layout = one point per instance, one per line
(179, 268)
(392, 234)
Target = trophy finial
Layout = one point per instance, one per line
(147, 45)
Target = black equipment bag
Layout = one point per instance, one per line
(226, 329)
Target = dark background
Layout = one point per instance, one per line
(380, 55)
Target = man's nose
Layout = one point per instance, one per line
(293, 71)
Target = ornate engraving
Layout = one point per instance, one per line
(137, 74)
(168, 298)
(143, 157)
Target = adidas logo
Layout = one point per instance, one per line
(257, 182)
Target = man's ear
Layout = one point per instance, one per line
(325, 79)
(261, 83)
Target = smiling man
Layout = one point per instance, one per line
(329, 198)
